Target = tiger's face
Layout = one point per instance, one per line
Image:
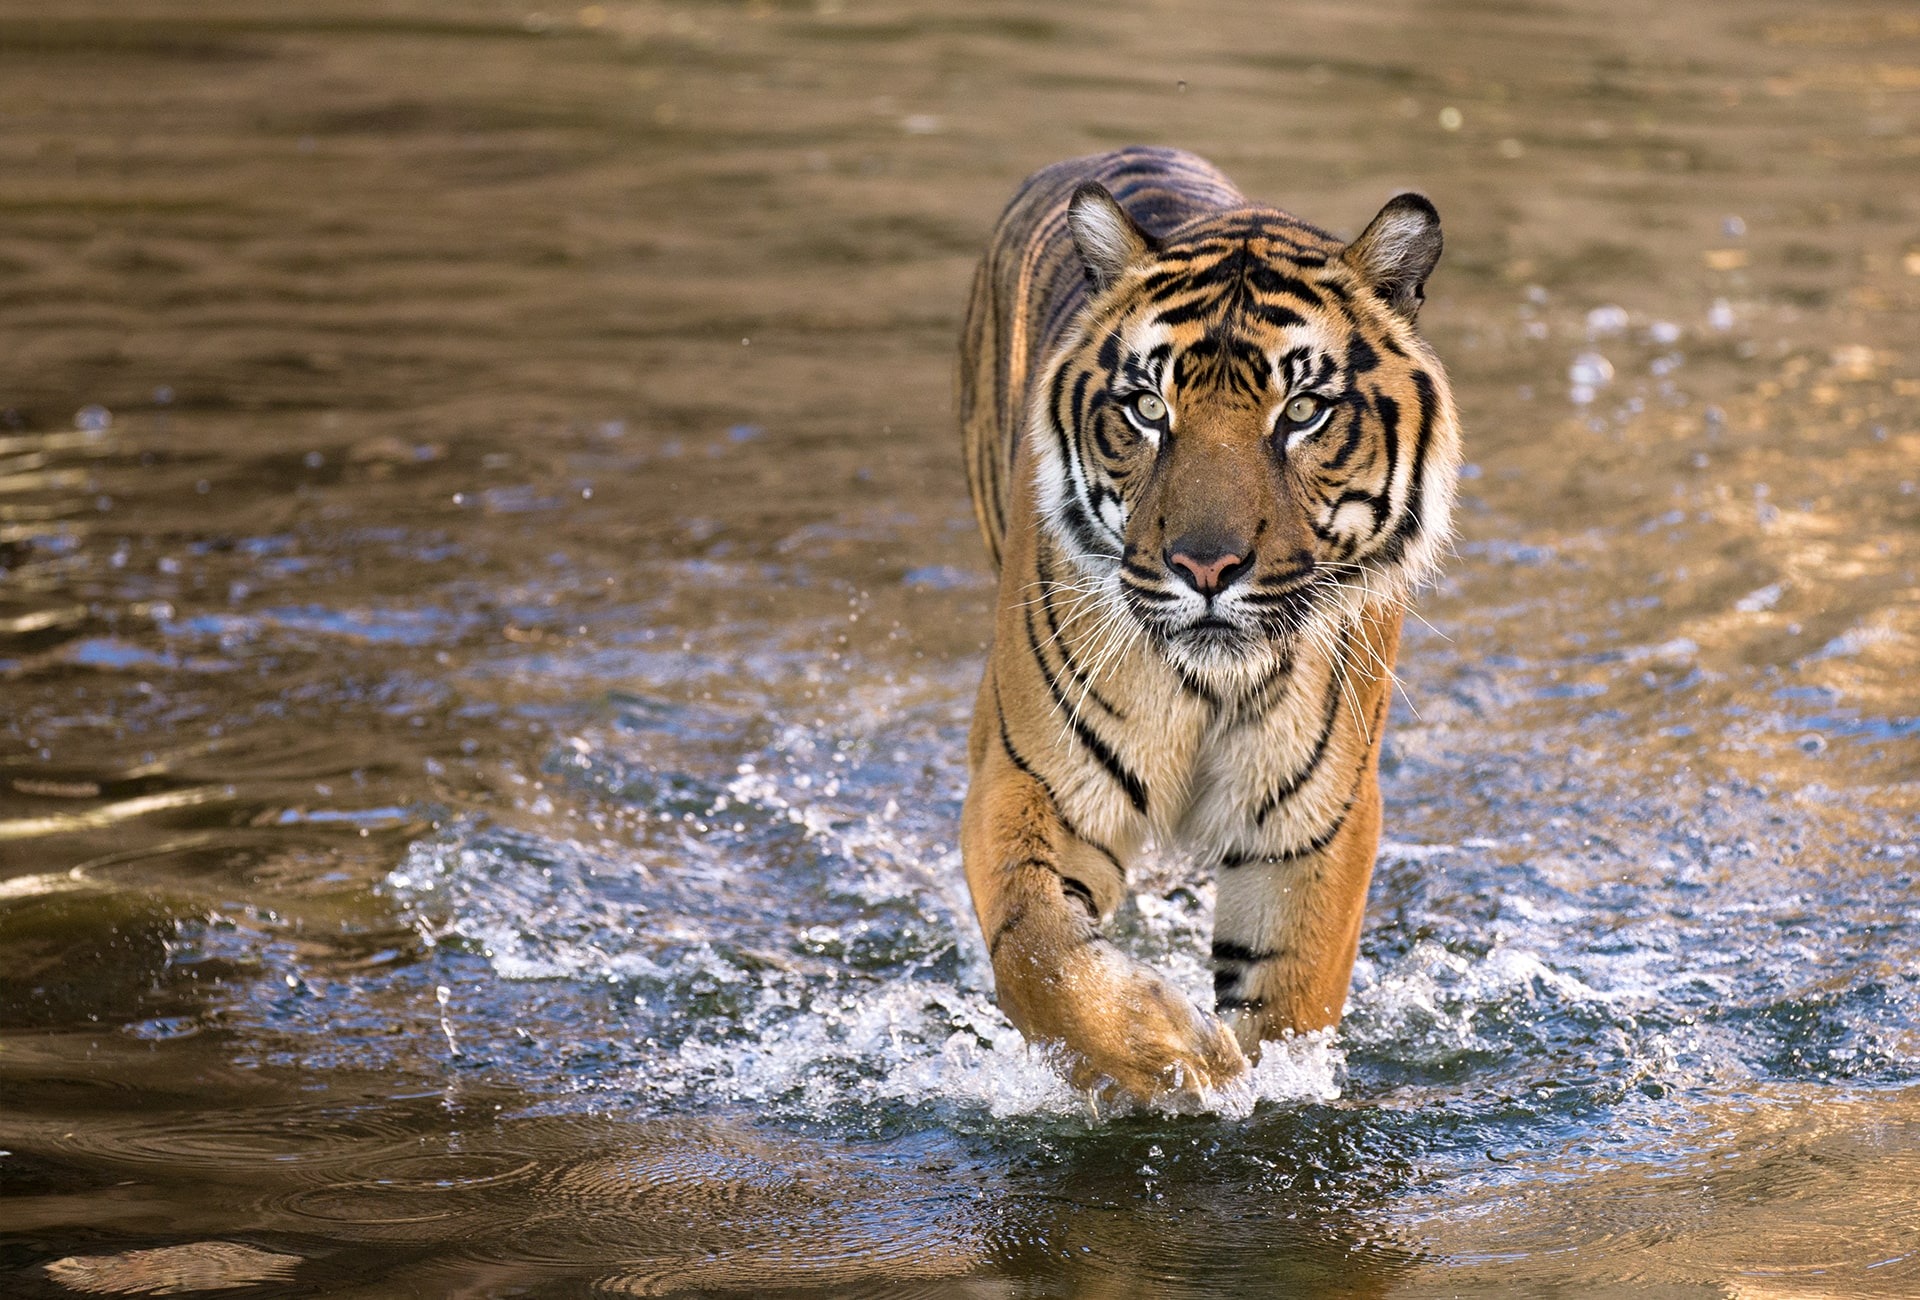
(1248, 441)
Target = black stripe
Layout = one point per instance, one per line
(1153, 595)
(1055, 396)
(1279, 579)
(1311, 847)
(1136, 789)
(1267, 279)
(1057, 638)
(1286, 602)
(1238, 1004)
(1087, 692)
(1228, 950)
(1275, 315)
(1291, 786)
(1080, 525)
(1077, 404)
(1319, 842)
(1078, 889)
(1014, 756)
(1390, 434)
(1410, 522)
(1291, 365)
(1389, 412)
(1199, 307)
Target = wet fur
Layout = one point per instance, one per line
(1123, 705)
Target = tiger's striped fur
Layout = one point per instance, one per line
(1211, 457)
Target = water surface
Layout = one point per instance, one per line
(490, 613)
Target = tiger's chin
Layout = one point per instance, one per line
(1221, 654)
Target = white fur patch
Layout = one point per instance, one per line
(1399, 245)
(1104, 236)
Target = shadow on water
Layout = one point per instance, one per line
(489, 614)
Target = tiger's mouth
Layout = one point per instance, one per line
(1234, 627)
(1211, 636)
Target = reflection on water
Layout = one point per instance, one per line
(490, 609)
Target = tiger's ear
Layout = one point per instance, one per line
(1397, 251)
(1108, 240)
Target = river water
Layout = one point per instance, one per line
(490, 612)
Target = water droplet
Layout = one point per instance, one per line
(1607, 321)
(93, 418)
(1451, 119)
(1591, 370)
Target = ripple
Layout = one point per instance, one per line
(695, 1205)
(276, 1138)
(406, 1190)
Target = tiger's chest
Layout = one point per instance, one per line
(1212, 777)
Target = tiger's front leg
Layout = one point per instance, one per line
(1287, 928)
(1039, 891)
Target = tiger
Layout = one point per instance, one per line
(1211, 459)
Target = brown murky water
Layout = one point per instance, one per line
(490, 610)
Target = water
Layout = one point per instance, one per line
(491, 610)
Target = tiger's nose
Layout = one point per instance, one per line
(1208, 569)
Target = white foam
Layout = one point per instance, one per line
(804, 1036)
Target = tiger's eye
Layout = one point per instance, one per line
(1150, 408)
(1301, 409)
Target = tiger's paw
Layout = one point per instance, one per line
(1130, 1032)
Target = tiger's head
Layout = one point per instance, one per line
(1246, 441)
